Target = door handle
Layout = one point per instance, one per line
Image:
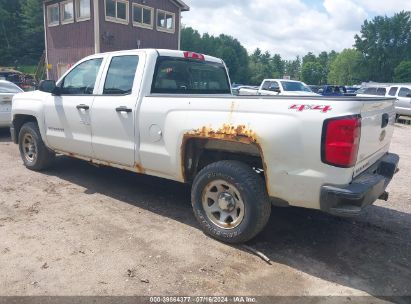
(82, 107)
(124, 109)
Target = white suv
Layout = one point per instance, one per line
(403, 95)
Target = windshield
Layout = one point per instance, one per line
(186, 76)
(8, 87)
(295, 86)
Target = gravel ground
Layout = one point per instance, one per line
(81, 230)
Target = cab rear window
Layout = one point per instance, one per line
(189, 76)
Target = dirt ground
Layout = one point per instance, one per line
(81, 230)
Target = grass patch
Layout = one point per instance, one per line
(27, 69)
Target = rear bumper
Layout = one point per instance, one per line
(364, 190)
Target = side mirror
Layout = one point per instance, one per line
(408, 95)
(47, 86)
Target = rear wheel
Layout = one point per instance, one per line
(34, 153)
(230, 201)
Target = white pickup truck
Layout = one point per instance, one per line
(279, 87)
(171, 114)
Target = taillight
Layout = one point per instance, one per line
(193, 55)
(341, 140)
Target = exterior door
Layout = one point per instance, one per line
(114, 112)
(403, 100)
(67, 116)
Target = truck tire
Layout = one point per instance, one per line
(230, 201)
(34, 153)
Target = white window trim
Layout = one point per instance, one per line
(67, 21)
(143, 25)
(77, 8)
(164, 29)
(115, 19)
(56, 23)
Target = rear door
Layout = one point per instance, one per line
(377, 128)
(114, 111)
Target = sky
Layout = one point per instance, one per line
(288, 27)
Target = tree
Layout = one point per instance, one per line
(402, 72)
(33, 30)
(316, 68)
(293, 68)
(10, 32)
(344, 70)
(384, 42)
(311, 73)
(223, 46)
(278, 66)
(310, 57)
(191, 40)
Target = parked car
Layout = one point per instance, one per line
(7, 91)
(315, 88)
(334, 90)
(171, 114)
(401, 92)
(236, 90)
(280, 87)
(352, 90)
(372, 91)
(403, 95)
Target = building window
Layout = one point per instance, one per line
(67, 12)
(143, 16)
(53, 15)
(165, 21)
(82, 10)
(117, 11)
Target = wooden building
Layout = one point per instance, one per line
(77, 28)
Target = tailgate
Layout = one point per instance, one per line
(377, 128)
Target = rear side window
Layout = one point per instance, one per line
(393, 91)
(404, 92)
(120, 75)
(266, 85)
(187, 76)
(381, 91)
(371, 91)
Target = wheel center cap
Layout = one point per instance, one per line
(226, 202)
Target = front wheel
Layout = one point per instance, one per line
(34, 153)
(230, 201)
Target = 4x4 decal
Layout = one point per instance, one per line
(301, 108)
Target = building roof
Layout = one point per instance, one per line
(184, 7)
